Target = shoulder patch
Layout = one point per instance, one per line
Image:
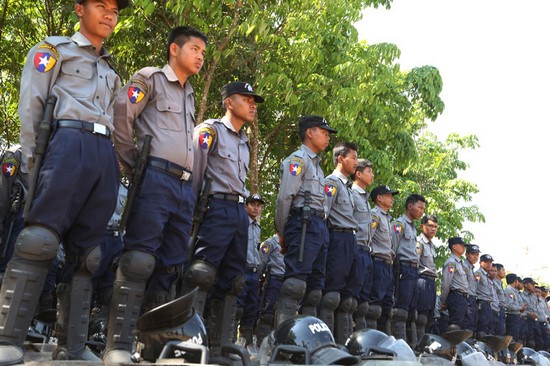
(45, 57)
(375, 221)
(207, 134)
(10, 166)
(451, 268)
(137, 91)
(477, 277)
(330, 187)
(264, 247)
(398, 227)
(419, 248)
(296, 166)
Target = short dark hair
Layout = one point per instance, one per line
(362, 164)
(180, 35)
(342, 149)
(427, 218)
(499, 266)
(413, 198)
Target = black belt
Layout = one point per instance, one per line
(318, 213)
(252, 269)
(429, 277)
(85, 126)
(381, 259)
(409, 264)
(343, 230)
(174, 170)
(463, 294)
(113, 232)
(228, 197)
(365, 248)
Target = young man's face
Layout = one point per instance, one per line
(385, 201)
(98, 19)
(349, 162)
(416, 210)
(472, 257)
(242, 107)
(429, 229)
(366, 176)
(254, 209)
(319, 138)
(190, 56)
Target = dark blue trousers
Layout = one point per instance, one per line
(342, 253)
(365, 273)
(407, 295)
(249, 299)
(270, 295)
(457, 306)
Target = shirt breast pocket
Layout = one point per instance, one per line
(76, 78)
(169, 116)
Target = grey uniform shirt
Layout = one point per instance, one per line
(339, 202)
(252, 254)
(513, 301)
(381, 235)
(362, 214)
(495, 301)
(404, 239)
(453, 277)
(221, 154)
(68, 68)
(500, 292)
(426, 257)
(155, 103)
(485, 289)
(271, 259)
(472, 282)
(300, 172)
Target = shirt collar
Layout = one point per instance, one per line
(308, 151)
(340, 176)
(172, 77)
(82, 41)
(358, 189)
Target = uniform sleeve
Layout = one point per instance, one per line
(397, 232)
(129, 104)
(6, 183)
(331, 193)
(40, 71)
(446, 279)
(510, 302)
(375, 224)
(291, 173)
(204, 140)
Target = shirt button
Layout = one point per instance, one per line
(101, 76)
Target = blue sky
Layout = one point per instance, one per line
(493, 57)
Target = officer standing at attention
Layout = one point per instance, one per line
(248, 301)
(472, 257)
(302, 185)
(161, 103)
(485, 295)
(362, 178)
(78, 178)
(454, 285)
(222, 156)
(272, 265)
(340, 286)
(499, 289)
(533, 330)
(427, 273)
(381, 295)
(514, 307)
(407, 253)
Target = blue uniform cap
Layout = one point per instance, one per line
(121, 3)
(310, 121)
(238, 87)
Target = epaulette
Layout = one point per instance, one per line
(211, 121)
(57, 40)
(148, 71)
(298, 153)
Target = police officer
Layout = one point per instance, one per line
(272, 266)
(427, 273)
(157, 102)
(381, 295)
(533, 330)
(362, 178)
(248, 301)
(78, 179)
(485, 296)
(495, 302)
(13, 187)
(454, 285)
(302, 185)
(524, 316)
(472, 257)
(407, 252)
(543, 319)
(222, 156)
(340, 286)
(514, 307)
(499, 289)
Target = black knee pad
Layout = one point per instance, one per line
(330, 300)
(201, 274)
(313, 298)
(238, 285)
(294, 288)
(345, 305)
(374, 312)
(136, 265)
(92, 259)
(363, 308)
(37, 243)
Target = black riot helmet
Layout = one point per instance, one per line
(361, 341)
(173, 330)
(303, 340)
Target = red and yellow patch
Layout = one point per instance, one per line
(206, 137)
(45, 58)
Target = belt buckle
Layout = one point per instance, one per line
(241, 199)
(100, 129)
(185, 176)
